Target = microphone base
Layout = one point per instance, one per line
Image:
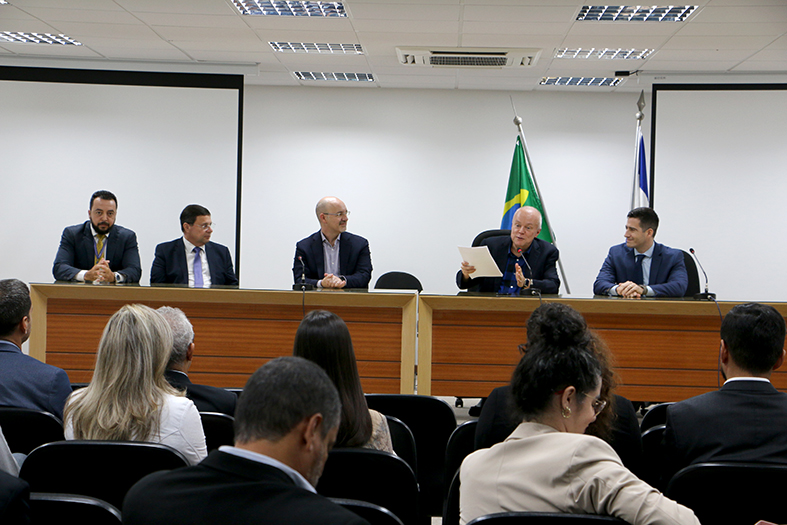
(302, 287)
(705, 296)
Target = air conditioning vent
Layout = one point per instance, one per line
(468, 57)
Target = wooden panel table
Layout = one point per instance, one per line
(666, 350)
(236, 331)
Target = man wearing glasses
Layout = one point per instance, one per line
(332, 257)
(193, 259)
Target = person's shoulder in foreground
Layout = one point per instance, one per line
(285, 424)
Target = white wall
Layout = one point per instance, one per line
(423, 171)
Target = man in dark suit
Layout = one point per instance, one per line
(513, 257)
(285, 424)
(745, 420)
(98, 250)
(207, 398)
(176, 261)
(25, 382)
(641, 267)
(332, 257)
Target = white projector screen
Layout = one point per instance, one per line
(719, 160)
(158, 141)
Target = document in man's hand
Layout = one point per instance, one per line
(480, 257)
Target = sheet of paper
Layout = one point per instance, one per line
(480, 257)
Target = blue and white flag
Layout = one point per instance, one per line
(640, 195)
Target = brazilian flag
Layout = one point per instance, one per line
(522, 192)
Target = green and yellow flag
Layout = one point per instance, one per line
(522, 192)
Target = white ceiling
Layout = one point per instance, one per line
(723, 40)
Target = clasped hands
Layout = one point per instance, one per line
(332, 281)
(631, 290)
(521, 280)
(100, 272)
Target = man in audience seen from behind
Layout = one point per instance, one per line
(285, 424)
(641, 267)
(206, 398)
(745, 421)
(25, 382)
(193, 259)
(333, 257)
(510, 256)
(98, 250)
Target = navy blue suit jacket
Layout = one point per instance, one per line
(355, 260)
(206, 398)
(542, 259)
(77, 252)
(745, 421)
(26, 382)
(668, 276)
(169, 264)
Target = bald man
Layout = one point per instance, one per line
(332, 257)
(510, 255)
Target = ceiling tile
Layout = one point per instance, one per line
(404, 12)
(548, 44)
(495, 13)
(407, 26)
(84, 15)
(743, 13)
(717, 42)
(690, 65)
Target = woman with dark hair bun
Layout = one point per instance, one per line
(548, 463)
(323, 338)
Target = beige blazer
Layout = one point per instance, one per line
(539, 469)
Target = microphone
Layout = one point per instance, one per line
(304, 285)
(533, 291)
(706, 295)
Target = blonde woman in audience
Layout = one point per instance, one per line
(129, 399)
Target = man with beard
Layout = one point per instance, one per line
(98, 250)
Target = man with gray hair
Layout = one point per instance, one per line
(285, 424)
(206, 398)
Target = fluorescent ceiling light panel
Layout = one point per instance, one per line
(581, 81)
(37, 38)
(290, 8)
(307, 47)
(634, 13)
(605, 53)
(340, 77)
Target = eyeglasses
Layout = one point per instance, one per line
(204, 227)
(597, 404)
(340, 214)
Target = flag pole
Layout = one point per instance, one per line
(635, 180)
(518, 123)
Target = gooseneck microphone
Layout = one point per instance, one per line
(303, 285)
(532, 290)
(706, 295)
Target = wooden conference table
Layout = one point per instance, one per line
(666, 350)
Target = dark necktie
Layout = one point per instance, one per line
(638, 279)
(198, 283)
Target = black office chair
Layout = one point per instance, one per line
(403, 442)
(374, 514)
(451, 504)
(542, 518)
(398, 281)
(432, 421)
(236, 391)
(372, 476)
(656, 415)
(460, 444)
(218, 429)
(732, 493)
(694, 276)
(652, 456)
(47, 508)
(25, 429)
(101, 469)
(490, 233)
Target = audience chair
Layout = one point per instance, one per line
(732, 493)
(432, 421)
(656, 415)
(490, 233)
(218, 429)
(372, 476)
(542, 518)
(236, 391)
(77, 386)
(652, 456)
(694, 276)
(374, 514)
(398, 281)
(451, 504)
(101, 469)
(460, 445)
(46, 508)
(403, 442)
(25, 429)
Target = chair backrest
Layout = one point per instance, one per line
(652, 456)
(656, 415)
(542, 518)
(398, 281)
(432, 421)
(374, 514)
(236, 391)
(47, 508)
(489, 233)
(403, 442)
(691, 271)
(460, 444)
(102, 469)
(451, 505)
(219, 429)
(372, 476)
(25, 429)
(732, 493)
